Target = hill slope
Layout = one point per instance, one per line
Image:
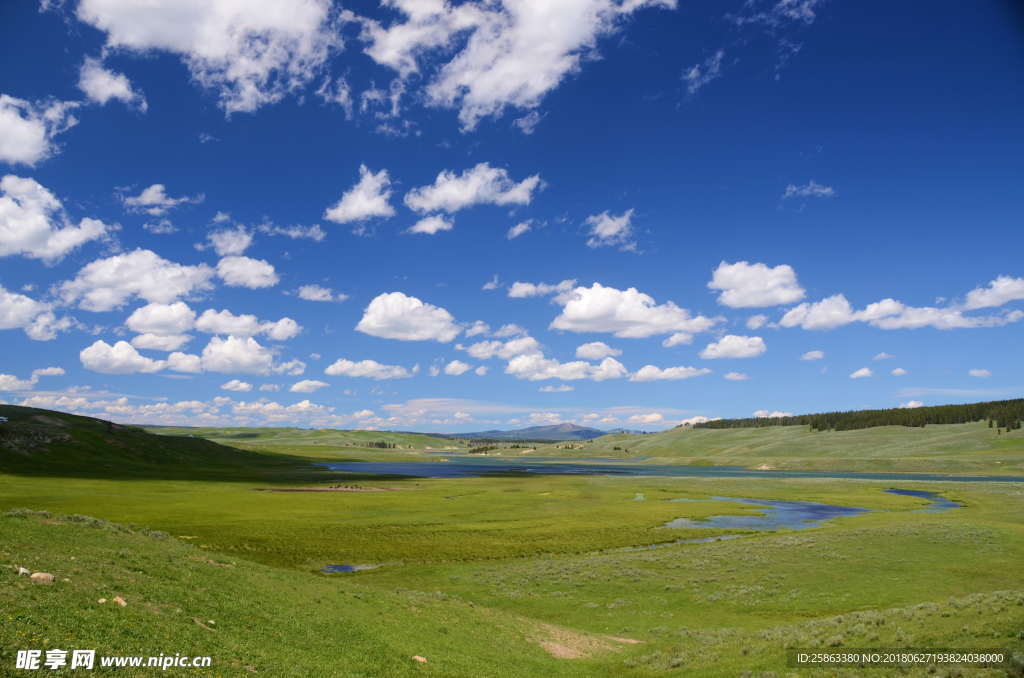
(45, 442)
(555, 432)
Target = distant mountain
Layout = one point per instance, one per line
(556, 432)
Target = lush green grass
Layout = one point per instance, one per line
(480, 575)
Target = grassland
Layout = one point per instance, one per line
(508, 577)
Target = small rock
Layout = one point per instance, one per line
(101, 601)
(66, 579)
(421, 660)
(22, 570)
(210, 621)
(42, 578)
(120, 601)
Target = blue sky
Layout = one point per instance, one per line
(454, 216)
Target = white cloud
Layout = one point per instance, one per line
(981, 374)
(161, 342)
(47, 372)
(457, 367)
(121, 358)
(318, 293)
(528, 123)
(491, 284)
(184, 362)
(246, 272)
(9, 382)
(883, 356)
(887, 314)
(477, 328)
(522, 290)
(1002, 290)
(699, 419)
(734, 346)
(480, 185)
(230, 241)
(535, 367)
(307, 386)
(519, 229)
(813, 355)
(432, 225)
(506, 350)
(37, 319)
(162, 227)
(370, 369)
(397, 316)
(766, 414)
(269, 387)
(100, 85)
(246, 325)
(826, 314)
(700, 75)
(480, 371)
(811, 189)
(650, 418)
(746, 285)
(27, 130)
(861, 373)
(595, 350)
(292, 367)
(368, 198)
(653, 373)
(898, 372)
(911, 404)
(236, 385)
(611, 231)
(677, 339)
(295, 232)
(625, 313)
(512, 55)
(250, 53)
(236, 354)
(756, 322)
(106, 284)
(155, 201)
(33, 223)
(162, 319)
(561, 388)
(282, 330)
(737, 376)
(510, 330)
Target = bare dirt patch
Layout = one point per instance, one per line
(565, 643)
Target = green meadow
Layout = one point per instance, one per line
(216, 554)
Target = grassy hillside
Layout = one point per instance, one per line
(44, 442)
(950, 448)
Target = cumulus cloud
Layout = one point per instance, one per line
(236, 385)
(649, 418)
(161, 342)
(898, 372)
(246, 325)
(911, 404)
(457, 367)
(36, 318)
(233, 355)
(397, 316)
(370, 369)
(27, 130)
(734, 346)
(699, 419)
(746, 285)
(368, 198)
(536, 367)
(981, 374)
(737, 376)
(480, 185)
(595, 350)
(154, 201)
(162, 319)
(756, 322)
(653, 373)
(861, 373)
(100, 85)
(519, 229)
(813, 355)
(432, 225)
(230, 241)
(883, 356)
(512, 55)
(184, 362)
(9, 382)
(811, 189)
(295, 232)
(121, 358)
(250, 53)
(247, 272)
(768, 414)
(522, 290)
(106, 284)
(319, 293)
(307, 386)
(611, 231)
(33, 222)
(625, 313)
(1002, 290)
(505, 350)
(561, 388)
